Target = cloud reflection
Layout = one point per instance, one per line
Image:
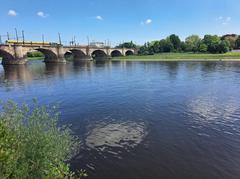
(214, 109)
(120, 134)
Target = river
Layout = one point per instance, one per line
(141, 120)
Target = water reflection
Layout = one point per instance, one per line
(209, 109)
(19, 73)
(56, 69)
(83, 66)
(115, 134)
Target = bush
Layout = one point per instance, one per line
(35, 54)
(31, 144)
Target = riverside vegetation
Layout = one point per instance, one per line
(209, 47)
(32, 146)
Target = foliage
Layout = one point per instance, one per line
(146, 49)
(231, 38)
(31, 144)
(193, 43)
(202, 47)
(223, 46)
(35, 54)
(127, 45)
(215, 44)
(167, 46)
(176, 42)
(238, 42)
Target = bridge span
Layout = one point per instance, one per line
(15, 54)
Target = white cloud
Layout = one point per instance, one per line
(228, 19)
(146, 22)
(219, 18)
(42, 14)
(224, 20)
(99, 18)
(12, 13)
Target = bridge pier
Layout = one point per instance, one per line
(17, 58)
(60, 58)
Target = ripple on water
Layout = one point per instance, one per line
(124, 135)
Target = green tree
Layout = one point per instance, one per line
(231, 38)
(238, 42)
(212, 42)
(176, 42)
(202, 47)
(156, 46)
(166, 46)
(224, 46)
(192, 43)
(143, 50)
(31, 144)
(127, 45)
(183, 47)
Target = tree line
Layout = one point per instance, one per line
(193, 43)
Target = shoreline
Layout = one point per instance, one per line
(178, 60)
(230, 56)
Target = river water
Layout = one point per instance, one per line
(141, 120)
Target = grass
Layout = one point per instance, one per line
(231, 56)
(31, 58)
(35, 58)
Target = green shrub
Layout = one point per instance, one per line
(31, 144)
(35, 54)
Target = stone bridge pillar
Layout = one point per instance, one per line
(60, 54)
(17, 57)
(57, 55)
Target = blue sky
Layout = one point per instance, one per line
(119, 20)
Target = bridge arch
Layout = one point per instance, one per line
(49, 55)
(6, 56)
(77, 54)
(116, 53)
(98, 54)
(129, 52)
(68, 55)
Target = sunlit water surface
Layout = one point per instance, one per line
(141, 120)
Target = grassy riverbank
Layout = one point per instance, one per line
(35, 58)
(31, 58)
(233, 56)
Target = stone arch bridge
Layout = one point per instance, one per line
(17, 54)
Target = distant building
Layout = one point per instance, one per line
(97, 44)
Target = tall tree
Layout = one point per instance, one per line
(238, 42)
(231, 38)
(212, 42)
(192, 42)
(176, 42)
(224, 46)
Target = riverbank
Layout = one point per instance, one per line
(35, 58)
(230, 56)
(31, 58)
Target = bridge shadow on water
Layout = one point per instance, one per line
(25, 74)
